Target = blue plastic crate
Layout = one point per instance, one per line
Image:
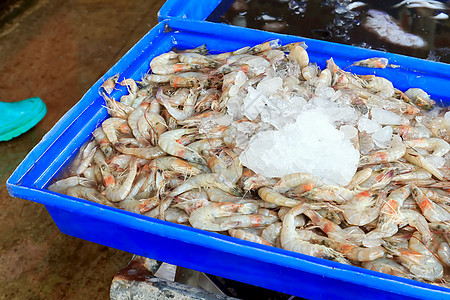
(264, 266)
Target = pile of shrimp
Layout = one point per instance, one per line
(154, 157)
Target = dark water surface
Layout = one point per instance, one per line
(377, 24)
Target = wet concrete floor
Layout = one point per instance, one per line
(57, 49)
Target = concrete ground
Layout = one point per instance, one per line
(56, 49)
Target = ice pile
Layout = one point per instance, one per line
(311, 144)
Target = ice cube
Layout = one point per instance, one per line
(270, 86)
(367, 125)
(383, 137)
(385, 117)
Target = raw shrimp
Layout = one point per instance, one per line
(226, 164)
(431, 211)
(303, 182)
(176, 215)
(146, 153)
(163, 59)
(361, 209)
(274, 197)
(206, 145)
(359, 177)
(387, 266)
(112, 125)
(244, 235)
(332, 230)
(272, 232)
(195, 58)
(150, 126)
(217, 195)
(334, 193)
(273, 44)
(417, 159)
(87, 157)
(204, 217)
(174, 164)
(411, 176)
(438, 146)
(350, 251)
(117, 192)
(373, 62)
(61, 185)
(205, 181)
(87, 193)
(396, 151)
(251, 220)
(103, 142)
(117, 109)
(291, 241)
(168, 142)
(411, 132)
(109, 84)
(191, 200)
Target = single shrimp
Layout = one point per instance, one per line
(396, 151)
(87, 156)
(273, 44)
(163, 59)
(61, 185)
(226, 164)
(206, 145)
(103, 142)
(109, 84)
(175, 68)
(195, 58)
(411, 132)
(387, 266)
(303, 182)
(176, 215)
(113, 125)
(359, 177)
(217, 195)
(88, 193)
(245, 221)
(309, 72)
(329, 193)
(131, 85)
(378, 179)
(435, 269)
(361, 209)
(444, 253)
(431, 211)
(274, 197)
(373, 62)
(332, 230)
(118, 192)
(174, 164)
(168, 142)
(191, 200)
(133, 119)
(156, 78)
(247, 236)
(291, 241)
(418, 221)
(350, 251)
(411, 176)
(204, 217)
(438, 146)
(205, 181)
(188, 108)
(272, 232)
(146, 153)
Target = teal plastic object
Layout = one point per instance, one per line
(19, 117)
(269, 267)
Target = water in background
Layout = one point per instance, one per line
(415, 31)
